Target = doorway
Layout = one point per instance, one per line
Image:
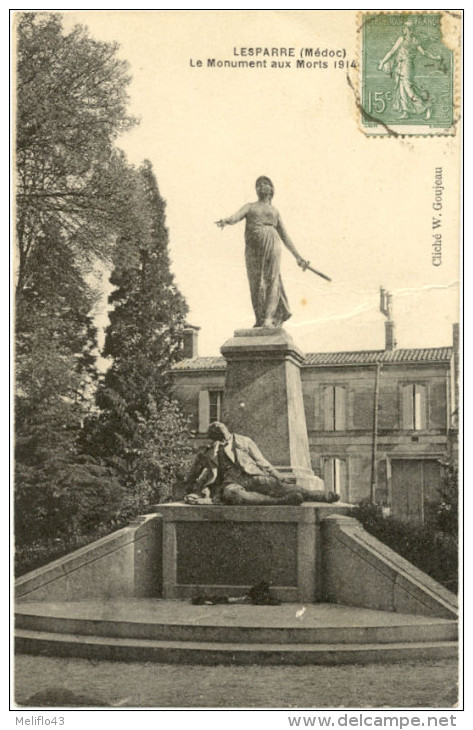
(414, 482)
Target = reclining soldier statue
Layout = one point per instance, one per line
(233, 471)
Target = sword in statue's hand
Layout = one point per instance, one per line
(306, 265)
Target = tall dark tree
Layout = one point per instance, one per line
(72, 196)
(148, 310)
(140, 426)
(56, 491)
(79, 202)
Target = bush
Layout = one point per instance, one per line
(432, 551)
(446, 513)
(34, 555)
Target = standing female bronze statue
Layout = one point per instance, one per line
(263, 235)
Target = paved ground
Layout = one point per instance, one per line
(287, 615)
(77, 682)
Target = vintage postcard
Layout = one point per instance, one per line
(237, 298)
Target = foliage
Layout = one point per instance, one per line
(91, 451)
(163, 449)
(446, 507)
(139, 428)
(70, 183)
(58, 491)
(149, 311)
(427, 548)
(71, 107)
(38, 552)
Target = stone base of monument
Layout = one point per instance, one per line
(220, 550)
(263, 399)
(347, 598)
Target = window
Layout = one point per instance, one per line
(414, 410)
(335, 476)
(210, 408)
(215, 405)
(334, 405)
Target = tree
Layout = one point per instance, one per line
(79, 201)
(71, 106)
(55, 371)
(140, 428)
(72, 188)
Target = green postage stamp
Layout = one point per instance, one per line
(407, 73)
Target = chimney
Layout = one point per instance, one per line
(456, 339)
(386, 307)
(390, 339)
(382, 300)
(190, 337)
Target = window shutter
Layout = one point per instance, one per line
(363, 409)
(340, 408)
(328, 405)
(336, 476)
(407, 407)
(343, 480)
(420, 407)
(204, 411)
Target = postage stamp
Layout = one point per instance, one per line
(407, 75)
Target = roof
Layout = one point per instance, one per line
(328, 359)
(417, 354)
(201, 363)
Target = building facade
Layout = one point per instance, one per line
(379, 422)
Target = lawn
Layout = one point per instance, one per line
(78, 682)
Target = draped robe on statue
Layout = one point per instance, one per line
(263, 262)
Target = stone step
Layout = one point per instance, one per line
(191, 652)
(176, 631)
(214, 624)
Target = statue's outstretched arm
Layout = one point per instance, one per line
(238, 216)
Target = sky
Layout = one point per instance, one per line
(359, 208)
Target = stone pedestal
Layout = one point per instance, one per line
(263, 399)
(221, 550)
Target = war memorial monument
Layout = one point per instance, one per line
(344, 596)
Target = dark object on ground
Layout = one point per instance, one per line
(259, 595)
(262, 595)
(60, 697)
